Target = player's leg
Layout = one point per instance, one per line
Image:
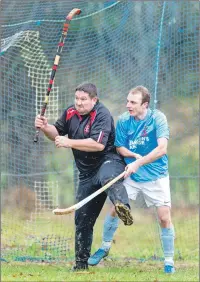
(111, 168)
(111, 224)
(167, 237)
(109, 228)
(85, 218)
(157, 193)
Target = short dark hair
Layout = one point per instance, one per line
(146, 96)
(87, 87)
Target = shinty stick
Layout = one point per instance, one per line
(61, 43)
(87, 199)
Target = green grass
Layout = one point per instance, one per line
(128, 260)
(106, 271)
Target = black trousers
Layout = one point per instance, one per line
(86, 216)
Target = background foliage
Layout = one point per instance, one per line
(116, 45)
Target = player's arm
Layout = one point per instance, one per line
(127, 153)
(86, 145)
(49, 130)
(155, 154)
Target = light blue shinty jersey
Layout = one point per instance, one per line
(140, 136)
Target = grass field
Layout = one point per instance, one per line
(106, 271)
(129, 258)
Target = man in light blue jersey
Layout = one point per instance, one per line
(142, 138)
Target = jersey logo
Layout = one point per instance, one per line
(144, 132)
(90, 122)
(87, 128)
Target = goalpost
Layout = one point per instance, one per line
(116, 45)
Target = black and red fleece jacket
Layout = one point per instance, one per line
(98, 125)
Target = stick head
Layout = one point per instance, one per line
(77, 11)
(57, 211)
(73, 12)
(63, 211)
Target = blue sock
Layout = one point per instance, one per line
(167, 238)
(110, 226)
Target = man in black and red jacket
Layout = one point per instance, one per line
(87, 127)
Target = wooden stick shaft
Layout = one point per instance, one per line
(87, 199)
(56, 62)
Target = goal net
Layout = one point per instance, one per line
(116, 45)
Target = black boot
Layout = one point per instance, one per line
(80, 266)
(119, 197)
(124, 213)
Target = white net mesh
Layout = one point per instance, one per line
(116, 45)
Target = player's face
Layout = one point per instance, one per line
(83, 103)
(135, 106)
